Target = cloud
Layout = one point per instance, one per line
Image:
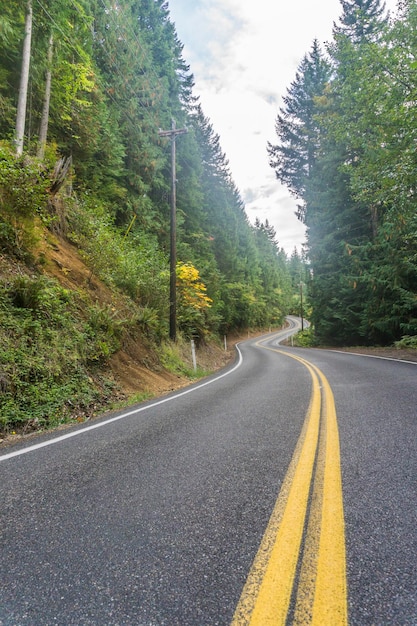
(244, 55)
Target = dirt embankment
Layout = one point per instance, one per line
(134, 367)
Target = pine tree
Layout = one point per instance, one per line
(43, 129)
(383, 124)
(275, 281)
(296, 127)
(361, 20)
(338, 224)
(12, 21)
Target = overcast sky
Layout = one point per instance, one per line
(244, 55)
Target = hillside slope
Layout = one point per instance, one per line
(132, 371)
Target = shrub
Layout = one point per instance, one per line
(408, 341)
(134, 263)
(23, 185)
(305, 338)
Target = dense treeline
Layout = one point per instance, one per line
(117, 76)
(85, 87)
(347, 150)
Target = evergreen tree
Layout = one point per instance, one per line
(275, 281)
(12, 20)
(104, 78)
(382, 127)
(343, 227)
(296, 126)
(361, 20)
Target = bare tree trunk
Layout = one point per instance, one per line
(43, 130)
(24, 80)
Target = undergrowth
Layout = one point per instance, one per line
(55, 343)
(175, 358)
(408, 341)
(304, 339)
(51, 354)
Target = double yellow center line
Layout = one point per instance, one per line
(299, 573)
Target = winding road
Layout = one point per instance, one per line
(282, 490)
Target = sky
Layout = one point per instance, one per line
(244, 54)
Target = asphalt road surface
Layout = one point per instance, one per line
(159, 515)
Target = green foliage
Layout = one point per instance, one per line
(104, 332)
(293, 158)
(407, 342)
(113, 87)
(118, 76)
(133, 263)
(47, 351)
(173, 356)
(361, 20)
(359, 188)
(148, 321)
(305, 338)
(23, 185)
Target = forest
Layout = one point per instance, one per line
(86, 87)
(88, 91)
(345, 146)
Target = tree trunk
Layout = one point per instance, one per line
(24, 80)
(43, 130)
(374, 221)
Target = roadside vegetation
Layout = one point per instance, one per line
(85, 198)
(345, 147)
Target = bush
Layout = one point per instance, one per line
(23, 185)
(408, 341)
(134, 263)
(23, 196)
(305, 338)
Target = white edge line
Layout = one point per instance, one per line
(370, 356)
(81, 431)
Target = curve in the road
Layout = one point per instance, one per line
(84, 429)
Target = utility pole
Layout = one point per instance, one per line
(301, 306)
(173, 133)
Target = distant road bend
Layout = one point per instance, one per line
(279, 491)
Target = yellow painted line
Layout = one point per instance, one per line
(266, 596)
(330, 600)
(307, 581)
(321, 591)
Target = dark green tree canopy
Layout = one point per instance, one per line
(112, 75)
(348, 155)
(361, 20)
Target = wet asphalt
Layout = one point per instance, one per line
(154, 519)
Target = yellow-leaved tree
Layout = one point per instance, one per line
(193, 301)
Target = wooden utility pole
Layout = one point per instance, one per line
(301, 306)
(173, 133)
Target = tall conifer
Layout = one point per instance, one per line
(296, 126)
(361, 20)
